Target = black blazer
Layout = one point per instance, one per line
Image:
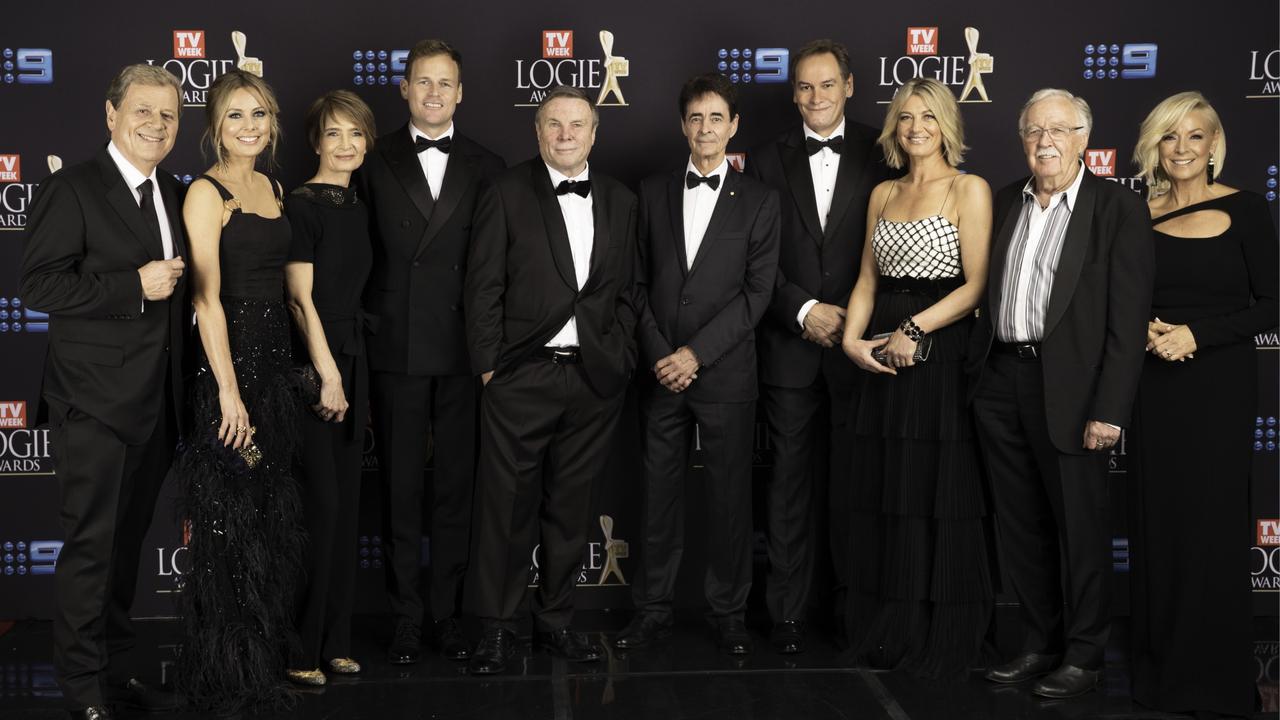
(107, 355)
(814, 264)
(521, 287)
(1096, 328)
(420, 253)
(715, 305)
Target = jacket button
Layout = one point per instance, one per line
(166, 348)
(404, 223)
(684, 301)
(457, 267)
(826, 274)
(417, 263)
(453, 307)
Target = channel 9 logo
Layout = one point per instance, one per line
(15, 318)
(1131, 61)
(767, 65)
(27, 66)
(38, 557)
(379, 67)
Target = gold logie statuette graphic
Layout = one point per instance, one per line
(613, 549)
(250, 65)
(55, 163)
(615, 67)
(979, 65)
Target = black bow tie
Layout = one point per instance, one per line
(421, 143)
(814, 146)
(693, 180)
(581, 187)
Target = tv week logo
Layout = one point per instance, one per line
(10, 168)
(1101, 162)
(922, 41)
(13, 414)
(1268, 533)
(188, 44)
(557, 44)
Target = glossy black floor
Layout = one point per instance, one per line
(685, 679)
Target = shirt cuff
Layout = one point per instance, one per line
(1112, 425)
(804, 310)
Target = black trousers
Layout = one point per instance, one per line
(808, 498)
(545, 438)
(109, 491)
(406, 409)
(330, 479)
(1052, 515)
(725, 431)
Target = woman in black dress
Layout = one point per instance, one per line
(239, 499)
(1189, 526)
(328, 265)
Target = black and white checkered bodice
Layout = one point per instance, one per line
(925, 248)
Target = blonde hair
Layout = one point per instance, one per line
(1163, 119)
(940, 100)
(220, 96)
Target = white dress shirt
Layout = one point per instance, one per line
(580, 223)
(133, 178)
(823, 167)
(432, 160)
(699, 203)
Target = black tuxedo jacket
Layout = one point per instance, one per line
(108, 354)
(521, 287)
(715, 305)
(1096, 327)
(420, 253)
(814, 264)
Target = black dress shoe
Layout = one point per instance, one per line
(406, 645)
(1023, 667)
(732, 637)
(787, 637)
(449, 640)
(1066, 682)
(148, 698)
(492, 652)
(93, 712)
(567, 644)
(642, 631)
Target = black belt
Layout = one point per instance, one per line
(1022, 351)
(559, 355)
(931, 287)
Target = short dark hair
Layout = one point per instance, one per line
(572, 93)
(709, 84)
(141, 74)
(430, 48)
(821, 46)
(339, 103)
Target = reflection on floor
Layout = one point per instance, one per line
(684, 678)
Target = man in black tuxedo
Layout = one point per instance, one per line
(550, 325)
(824, 171)
(421, 184)
(104, 259)
(708, 251)
(1055, 359)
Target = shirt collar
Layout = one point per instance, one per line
(557, 177)
(721, 170)
(415, 133)
(1029, 190)
(839, 131)
(132, 175)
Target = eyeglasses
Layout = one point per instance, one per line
(1034, 133)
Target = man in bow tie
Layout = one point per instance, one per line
(824, 171)
(708, 251)
(550, 326)
(421, 184)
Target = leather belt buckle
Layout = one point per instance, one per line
(1027, 351)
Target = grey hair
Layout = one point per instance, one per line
(141, 74)
(1082, 107)
(569, 92)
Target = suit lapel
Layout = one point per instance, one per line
(122, 200)
(553, 221)
(999, 253)
(675, 208)
(846, 182)
(600, 233)
(173, 211)
(726, 204)
(403, 159)
(1074, 247)
(800, 180)
(458, 175)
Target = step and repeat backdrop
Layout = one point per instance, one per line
(632, 57)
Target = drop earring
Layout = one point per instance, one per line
(1210, 179)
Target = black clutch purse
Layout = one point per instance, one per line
(923, 346)
(308, 384)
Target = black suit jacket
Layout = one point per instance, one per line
(420, 253)
(521, 287)
(1096, 328)
(715, 305)
(107, 355)
(814, 264)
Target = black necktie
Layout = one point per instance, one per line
(148, 207)
(814, 146)
(443, 144)
(581, 187)
(693, 180)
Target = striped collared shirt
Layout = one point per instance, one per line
(1032, 261)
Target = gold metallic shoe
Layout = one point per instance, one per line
(306, 677)
(344, 666)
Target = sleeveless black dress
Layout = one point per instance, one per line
(243, 523)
